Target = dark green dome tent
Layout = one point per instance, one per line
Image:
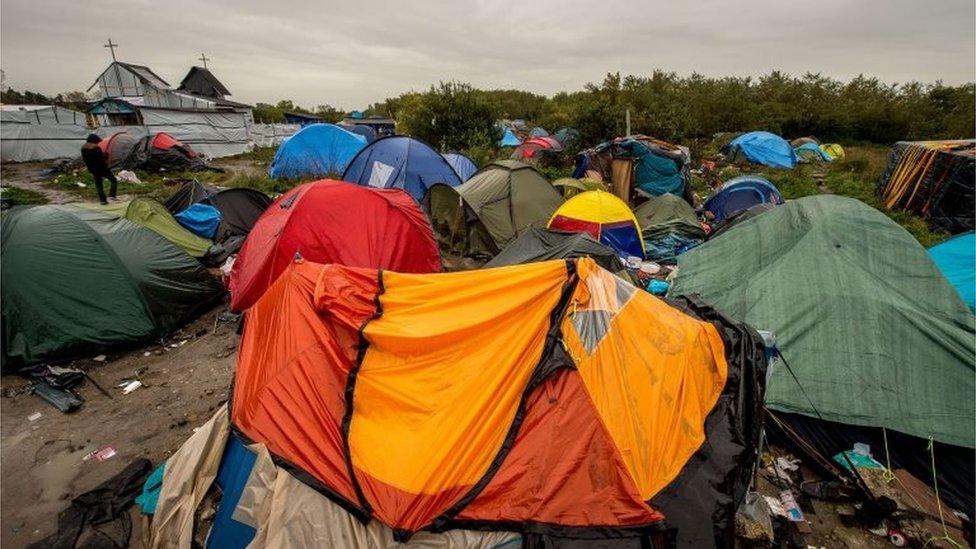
(77, 280)
(876, 335)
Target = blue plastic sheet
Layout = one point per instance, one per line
(956, 258)
(200, 219)
(235, 468)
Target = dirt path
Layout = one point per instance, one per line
(41, 461)
(30, 175)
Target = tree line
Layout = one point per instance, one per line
(677, 108)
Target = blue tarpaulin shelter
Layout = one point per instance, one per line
(400, 162)
(956, 258)
(763, 148)
(462, 164)
(316, 150)
(509, 139)
(200, 219)
(741, 193)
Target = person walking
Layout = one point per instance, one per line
(97, 163)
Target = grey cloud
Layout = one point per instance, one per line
(351, 53)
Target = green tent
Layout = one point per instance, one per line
(669, 211)
(76, 280)
(874, 332)
(154, 215)
(508, 197)
(570, 186)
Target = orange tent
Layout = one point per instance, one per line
(551, 397)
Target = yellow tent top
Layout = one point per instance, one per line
(605, 217)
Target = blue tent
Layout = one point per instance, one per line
(400, 162)
(741, 193)
(363, 130)
(464, 166)
(956, 258)
(538, 131)
(509, 139)
(316, 150)
(763, 148)
(200, 219)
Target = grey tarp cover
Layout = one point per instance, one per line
(79, 279)
(40, 132)
(874, 332)
(509, 197)
(285, 512)
(544, 244)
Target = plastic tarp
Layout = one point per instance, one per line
(264, 505)
(874, 332)
(934, 179)
(334, 222)
(155, 217)
(509, 139)
(239, 207)
(509, 197)
(400, 162)
(463, 166)
(956, 258)
(33, 132)
(573, 397)
(604, 217)
(211, 133)
(317, 150)
(200, 219)
(543, 244)
(272, 135)
(763, 148)
(741, 193)
(669, 227)
(77, 279)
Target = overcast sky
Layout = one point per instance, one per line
(351, 53)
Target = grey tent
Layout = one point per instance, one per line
(544, 244)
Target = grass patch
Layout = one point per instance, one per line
(19, 196)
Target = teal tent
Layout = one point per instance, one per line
(79, 280)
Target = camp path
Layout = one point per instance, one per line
(31, 176)
(42, 465)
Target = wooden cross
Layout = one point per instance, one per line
(111, 47)
(203, 57)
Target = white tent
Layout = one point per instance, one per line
(40, 132)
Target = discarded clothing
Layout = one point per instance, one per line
(149, 497)
(106, 503)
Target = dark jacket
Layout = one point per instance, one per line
(95, 159)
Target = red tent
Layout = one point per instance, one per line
(333, 222)
(165, 141)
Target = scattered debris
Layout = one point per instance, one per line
(100, 455)
(131, 386)
(100, 358)
(34, 417)
(129, 177)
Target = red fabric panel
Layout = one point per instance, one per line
(334, 222)
(563, 468)
(164, 141)
(289, 392)
(405, 510)
(563, 223)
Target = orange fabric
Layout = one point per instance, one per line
(436, 389)
(653, 392)
(440, 385)
(293, 364)
(537, 483)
